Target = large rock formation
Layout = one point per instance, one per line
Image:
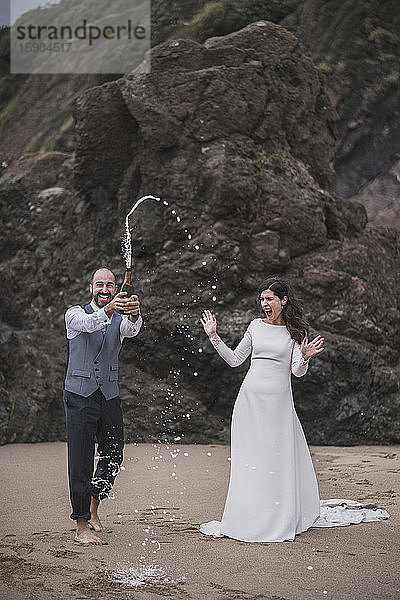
(234, 135)
(355, 46)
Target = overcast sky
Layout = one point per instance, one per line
(12, 9)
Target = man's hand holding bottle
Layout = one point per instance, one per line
(124, 305)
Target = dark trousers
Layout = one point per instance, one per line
(89, 419)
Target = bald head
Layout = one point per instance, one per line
(103, 286)
(103, 272)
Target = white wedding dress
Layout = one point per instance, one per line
(273, 491)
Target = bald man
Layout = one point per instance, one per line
(92, 405)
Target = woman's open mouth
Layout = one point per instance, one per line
(268, 311)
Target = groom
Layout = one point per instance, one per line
(92, 405)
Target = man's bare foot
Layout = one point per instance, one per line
(86, 537)
(94, 522)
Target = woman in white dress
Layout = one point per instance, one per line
(273, 492)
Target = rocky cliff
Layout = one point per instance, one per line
(354, 45)
(235, 136)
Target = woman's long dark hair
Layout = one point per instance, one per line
(292, 312)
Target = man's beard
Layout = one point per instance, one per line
(101, 302)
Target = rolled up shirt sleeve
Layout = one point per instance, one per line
(129, 329)
(78, 321)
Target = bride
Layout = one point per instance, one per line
(273, 491)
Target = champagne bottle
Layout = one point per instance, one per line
(127, 284)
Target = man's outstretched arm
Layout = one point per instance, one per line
(78, 321)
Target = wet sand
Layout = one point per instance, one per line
(164, 500)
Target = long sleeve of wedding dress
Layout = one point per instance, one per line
(299, 365)
(236, 357)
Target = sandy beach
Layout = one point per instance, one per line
(161, 496)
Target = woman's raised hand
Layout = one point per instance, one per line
(309, 349)
(209, 323)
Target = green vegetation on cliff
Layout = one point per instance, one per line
(355, 45)
(9, 84)
(201, 19)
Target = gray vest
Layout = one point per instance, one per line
(93, 360)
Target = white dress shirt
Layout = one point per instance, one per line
(78, 321)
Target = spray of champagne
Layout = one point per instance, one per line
(126, 245)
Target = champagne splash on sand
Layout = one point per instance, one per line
(127, 240)
(132, 576)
